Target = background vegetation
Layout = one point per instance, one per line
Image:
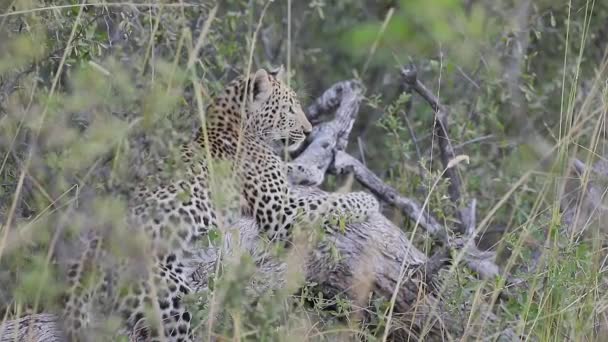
(96, 97)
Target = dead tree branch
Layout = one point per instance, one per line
(479, 261)
(310, 166)
(344, 163)
(410, 76)
(346, 98)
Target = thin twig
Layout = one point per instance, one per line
(414, 139)
(474, 140)
(410, 76)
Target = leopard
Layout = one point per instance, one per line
(241, 128)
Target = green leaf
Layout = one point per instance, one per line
(214, 236)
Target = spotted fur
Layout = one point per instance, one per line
(173, 218)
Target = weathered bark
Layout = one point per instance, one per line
(39, 327)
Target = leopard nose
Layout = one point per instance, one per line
(306, 125)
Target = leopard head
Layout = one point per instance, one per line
(274, 111)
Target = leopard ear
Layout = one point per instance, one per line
(278, 73)
(261, 86)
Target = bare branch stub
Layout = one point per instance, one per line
(310, 166)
